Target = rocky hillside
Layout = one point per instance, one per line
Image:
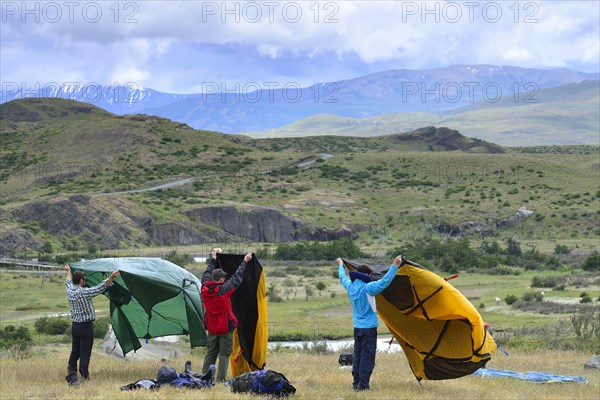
(73, 175)
(112, 223)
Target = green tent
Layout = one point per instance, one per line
(150, 298)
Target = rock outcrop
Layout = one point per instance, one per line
(78, 216)
(15, 241)
(264, 224)
(112, 223)
(487, 225)
(448, 138)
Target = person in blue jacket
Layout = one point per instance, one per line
(361, 290)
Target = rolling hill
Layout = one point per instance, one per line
(74, 175)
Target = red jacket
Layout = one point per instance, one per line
(219, 318)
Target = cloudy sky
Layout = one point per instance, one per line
(179, 46)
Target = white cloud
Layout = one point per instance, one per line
(517, 55)
(175, 45)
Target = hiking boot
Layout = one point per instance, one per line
(188, 368)
(72, 379)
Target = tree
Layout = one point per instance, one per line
(561, 249)
(179, 259)
(273, 293)
(513, 247)
(309, 291)
(320, 286)
(47, 248)
(290, 287)
(92, 249)
(593, 262)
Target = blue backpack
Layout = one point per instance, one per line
(265, 382)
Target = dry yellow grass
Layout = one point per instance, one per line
(314, 376)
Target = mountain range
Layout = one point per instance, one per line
(566, 114)
(260, 106)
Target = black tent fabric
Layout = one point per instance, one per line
(249, 306)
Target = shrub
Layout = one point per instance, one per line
(315, 347)
(592, 263)
(532, 296)
(513, 247)
(586, 324)
(16, 338)
(101, 326)
(179, 259)
(317, 250)
(561, 249)
(51, 326)
(320, 286)
(510, 299)
(277, 274)
(502, 271)
(547, 281)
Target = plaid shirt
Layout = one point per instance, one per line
(80, 299)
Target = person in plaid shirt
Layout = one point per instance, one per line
(83, 316)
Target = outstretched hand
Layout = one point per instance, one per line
(339, 261)
(248, 257)
(398, 260)
(112, 276)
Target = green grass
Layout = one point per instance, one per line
(313, 319)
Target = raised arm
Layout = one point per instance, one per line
(342, 274)
(379, 286)
(207, 275)
(69, 275)
(111, 278)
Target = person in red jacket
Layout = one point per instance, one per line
(219, 319)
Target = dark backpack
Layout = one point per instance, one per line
(346, 359)
(262, 382)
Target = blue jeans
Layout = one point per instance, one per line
(365, 346)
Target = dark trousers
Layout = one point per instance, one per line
(82, 334)
(365, 346)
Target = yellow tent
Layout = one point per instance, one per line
(440, 331)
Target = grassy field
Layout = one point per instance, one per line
(314, 376)
(24, 298)
(40, 374)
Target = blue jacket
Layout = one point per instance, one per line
(362, 314)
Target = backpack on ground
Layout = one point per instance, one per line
(262, 382)
(169, 376)
(346, 359)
